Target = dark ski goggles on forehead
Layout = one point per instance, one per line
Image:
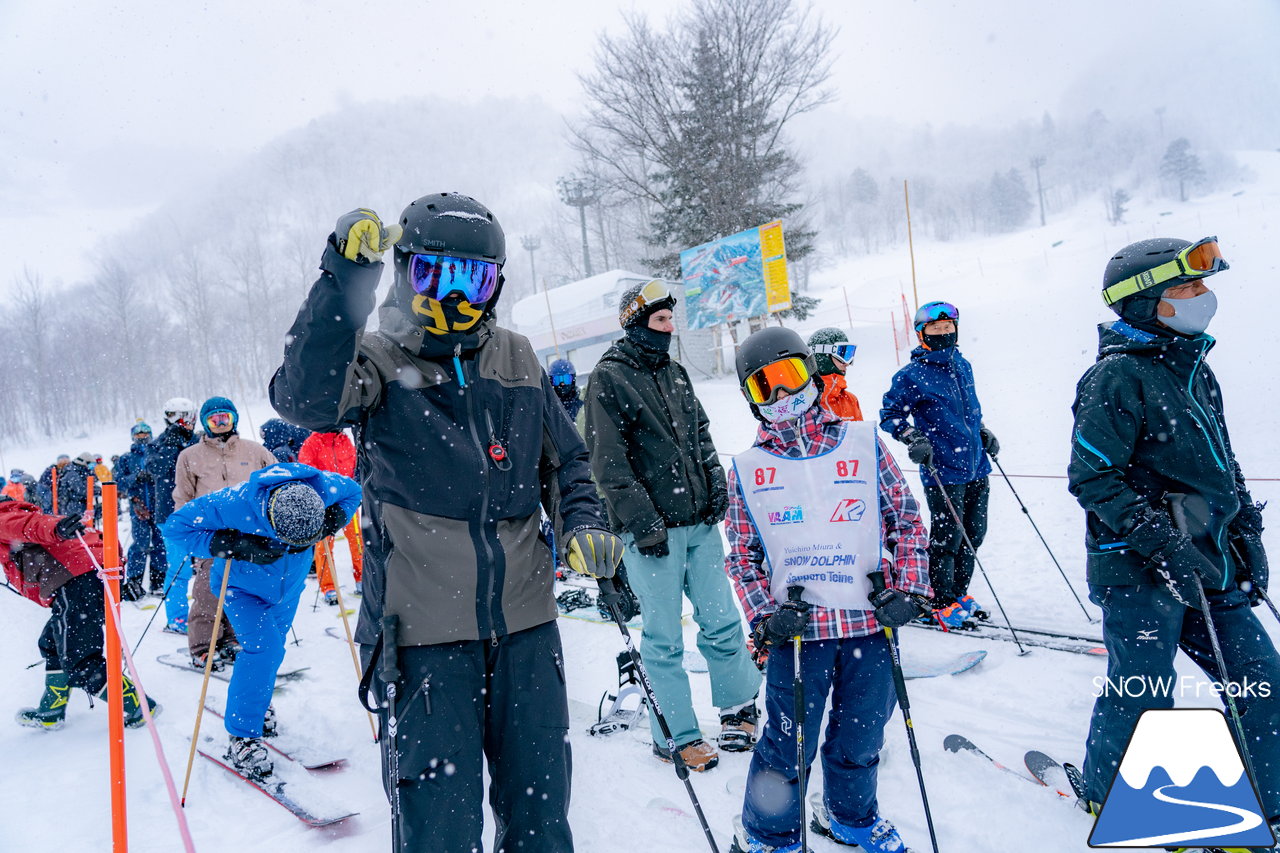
(562, 379)
(844, 352)
(436, 276)
(1196, 261)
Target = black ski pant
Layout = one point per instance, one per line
(1143, 627)
(950, 562)
(463, 703)
(72, 638)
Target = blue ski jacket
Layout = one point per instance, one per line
(936, 389)
(243, 507)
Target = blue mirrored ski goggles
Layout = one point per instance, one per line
(932, 311)
(562, 379)
(844, 352)
(436, 276)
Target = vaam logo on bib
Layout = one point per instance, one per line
(787, 515)
(850, 509)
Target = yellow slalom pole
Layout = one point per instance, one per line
(208, 668)
(346, 625)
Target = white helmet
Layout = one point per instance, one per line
(180, 409)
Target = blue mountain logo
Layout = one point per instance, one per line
(1181, 781)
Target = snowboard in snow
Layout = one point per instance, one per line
(279, 791)
(182, 660)
(293, 748)
(954, 666)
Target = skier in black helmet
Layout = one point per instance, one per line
(1168, 512)
(460, 436)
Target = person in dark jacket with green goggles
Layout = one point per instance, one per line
(1170, 522)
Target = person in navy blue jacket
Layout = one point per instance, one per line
(950, 444)
(265, 528)
(140, 491)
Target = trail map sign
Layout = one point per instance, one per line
(736, 277)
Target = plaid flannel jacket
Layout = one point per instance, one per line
(809, 435)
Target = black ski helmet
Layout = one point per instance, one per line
(1140, 307)
(448, 224)
(767, 346)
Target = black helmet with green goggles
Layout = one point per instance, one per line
(1147, 264)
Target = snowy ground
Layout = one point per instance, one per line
(1029, 303)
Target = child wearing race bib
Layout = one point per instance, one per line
(812, 504)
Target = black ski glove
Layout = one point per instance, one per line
(69, 527)
(1181, 567)
(989, 442)
(1244, 538)
(719, 506)
(248, 547)
(782, 625)
(919, 450)
(657, 549)
(334, 520)
(895, 608)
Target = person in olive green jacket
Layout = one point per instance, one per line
(664, 487)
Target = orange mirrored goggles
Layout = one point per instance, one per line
(789, 375)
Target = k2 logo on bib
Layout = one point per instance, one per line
(849, 509)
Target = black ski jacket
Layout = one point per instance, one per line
(1149, 424)
(651, 448)
(162, 463)
(456, 449)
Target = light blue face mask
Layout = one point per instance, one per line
(791, 407)
(1191, 316)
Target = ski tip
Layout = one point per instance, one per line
(955, 743)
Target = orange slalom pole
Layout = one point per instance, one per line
(55, 489)
(115, 678)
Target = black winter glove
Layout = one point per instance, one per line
(143, 476)
(622, 595)
(782, 625)
(334, 520)
(719, 506)
(69, 527)
(657, 549)
(248, 547)
(895, 608)
(989, 442)
(919, 450)
(1244, 538)
(1181, 567)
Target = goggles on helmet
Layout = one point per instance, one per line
(844, 352)
(436, 276)
(1200, 259)
(562, 379)
(218, 419)
(933, 311)
(788, 374)
(653, 292)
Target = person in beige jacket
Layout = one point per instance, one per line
(221, 458)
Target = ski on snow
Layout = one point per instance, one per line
(276, 789)
(954, 666)
(960, 743)
(182, 660)
(292, 749)
(1029, 637)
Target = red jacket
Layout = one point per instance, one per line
(329, 451)
(838, 399)
(29, 570)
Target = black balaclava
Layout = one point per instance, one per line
(937, 342)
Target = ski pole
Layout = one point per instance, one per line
(1262, 592)
(390, 675)
(900, 686)
(163, 598)
(208, 668)
(611, 596)
(346, 626)
(797, 688)
(1027, 513)
(933, 472)
(1222, 673)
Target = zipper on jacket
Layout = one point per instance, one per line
(457, 365)
(1192, 394)
(426, 694)
(484, 486)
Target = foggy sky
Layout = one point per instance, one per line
(107, 110)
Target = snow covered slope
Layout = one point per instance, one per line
(1029, 303)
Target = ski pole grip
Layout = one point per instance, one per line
(794, 593)
(877, 582)
(390, 672)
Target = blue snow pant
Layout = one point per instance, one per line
(262, 627)
(176, 605)
(694, 568)
(461, 703)
(1143, 627)
(858, 673)
(147, 542)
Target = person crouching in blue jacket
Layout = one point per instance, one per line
(264, 529)
(950, 444)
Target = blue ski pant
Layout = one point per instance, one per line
(147, 543)
(693, 569)
(857, 672)
(1143, 628)
(262, 629)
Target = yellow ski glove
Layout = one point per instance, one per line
(362, 236)
(594, 552)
